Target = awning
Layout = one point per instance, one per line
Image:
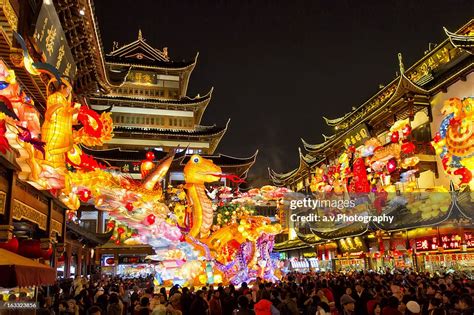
(19, 271)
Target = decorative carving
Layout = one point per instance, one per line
(12, 19)
(30, 190)
(57, 227)
(16, 57)
(3, 197)
(23, 211)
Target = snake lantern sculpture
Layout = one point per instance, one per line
(50, 158)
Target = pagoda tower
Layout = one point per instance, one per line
(146, 92)
(149, 104)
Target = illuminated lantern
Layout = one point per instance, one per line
(11, 245)
(150, 156)
(408, 147)
(406, 130)
(30, 248)
(151, 219)
(117, 242)
(85, 195)
(466, 175)
(391, 165)
(129, 206)
(437, 137)
(120, 230)
(110, 224)
(70, 215)
(394, 137)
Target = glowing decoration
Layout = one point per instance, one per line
(408, 147)
(394, 137)
(237, 244)
(150, 156)
(466, 175)
(455, 140)
(150, 219)
(85, 195)
(406, 130)
(391, 165)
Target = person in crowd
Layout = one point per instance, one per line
(199, 305)
(348, 304)
(243, 307)
(114, 307)
(413, 307)
(362, 297)
(466, 305)
(215, 305)
(94, 310)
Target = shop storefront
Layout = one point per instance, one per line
(447, 251)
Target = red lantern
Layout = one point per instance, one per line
(70, 215)
(466, 175)
(437, 137)
(47, 253)
(394, 137)
(391, 165)
(111, 225)
(61, 258)
(30, 248)
(408, 147)
(151, 219)
(120, 230)
(11, 245)
(84, 195)
(117, 242)
(406, 130)
(150, 156)
(129, 206)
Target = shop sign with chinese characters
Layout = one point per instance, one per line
(450, 241)
(357, 136)
(50, 38)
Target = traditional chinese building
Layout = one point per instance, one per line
(416, 95)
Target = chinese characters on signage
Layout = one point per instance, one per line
(452, 241)
(50, 38)
(357, 137)
(131, 259)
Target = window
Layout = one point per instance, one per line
(127, 121)
(180, 122)
(147, 121)
(152, 121)
(175, 122)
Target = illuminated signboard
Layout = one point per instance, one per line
(51, 39)
(357, 136)
(450, 241)
(131, 259)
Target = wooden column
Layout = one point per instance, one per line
(6, 223)
(79, 262)
(67, 261)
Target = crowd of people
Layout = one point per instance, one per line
(362, 293)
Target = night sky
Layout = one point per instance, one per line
(277, 67)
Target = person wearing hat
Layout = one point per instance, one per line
(348, 305)
(413, 307)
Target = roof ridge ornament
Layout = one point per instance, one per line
(140, 36)
(400, 64)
